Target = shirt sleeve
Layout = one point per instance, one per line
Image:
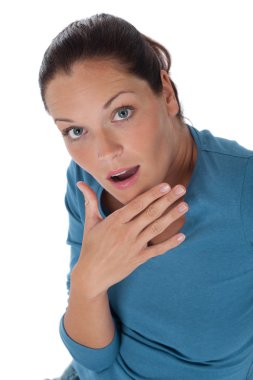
(96, 359)
(247, 203)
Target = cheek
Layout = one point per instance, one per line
(152, 136)
(82, 156)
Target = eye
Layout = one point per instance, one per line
(123, 113)
(73, 132)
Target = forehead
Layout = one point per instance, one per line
(92, 80)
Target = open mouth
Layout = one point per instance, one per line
(125, 175)
(126, 178)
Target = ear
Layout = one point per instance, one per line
(168, 94)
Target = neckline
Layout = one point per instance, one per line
(105, 212)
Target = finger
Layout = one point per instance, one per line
(156, 209)
(159, 225)
(160, 249)
(92, 213)
(137, 205)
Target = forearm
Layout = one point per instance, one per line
(88, 321)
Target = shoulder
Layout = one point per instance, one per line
(76, 173)
(73, 196)
(229, 166)
(221, 146)
(224, 159)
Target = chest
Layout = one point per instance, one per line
(198, 296)
(111, 204)
(169, 232)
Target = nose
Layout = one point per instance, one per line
(107, 148)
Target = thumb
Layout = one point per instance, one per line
(92, 213)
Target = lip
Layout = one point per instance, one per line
(119, 171)
(127, 182)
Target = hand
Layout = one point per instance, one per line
(114, 247)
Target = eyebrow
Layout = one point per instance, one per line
(105, 106)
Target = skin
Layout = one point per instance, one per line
(150, 135)
(146, 133)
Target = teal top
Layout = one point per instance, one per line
(187, 314)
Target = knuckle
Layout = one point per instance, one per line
(137, 204)
(151, 211)
(156, 228)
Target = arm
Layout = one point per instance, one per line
(88, 328)
(112, 248)
(89, 321)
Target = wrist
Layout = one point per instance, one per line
(84, 287)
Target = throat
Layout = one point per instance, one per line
(185, 161)
(109, 202)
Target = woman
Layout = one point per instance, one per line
(152, 294)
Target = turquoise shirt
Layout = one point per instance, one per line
(187, 314)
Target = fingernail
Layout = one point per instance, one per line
(165, 188)
(181, 237)
(182, 208)
(179, 190)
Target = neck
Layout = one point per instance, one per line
(184, 159)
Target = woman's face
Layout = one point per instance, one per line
(112, 120)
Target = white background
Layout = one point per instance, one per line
(211, 47)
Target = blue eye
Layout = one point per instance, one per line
(123, 113)
(73, 132)
(77, 132)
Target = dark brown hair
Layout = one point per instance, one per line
(109, 37)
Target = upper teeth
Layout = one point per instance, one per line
(115, 175)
